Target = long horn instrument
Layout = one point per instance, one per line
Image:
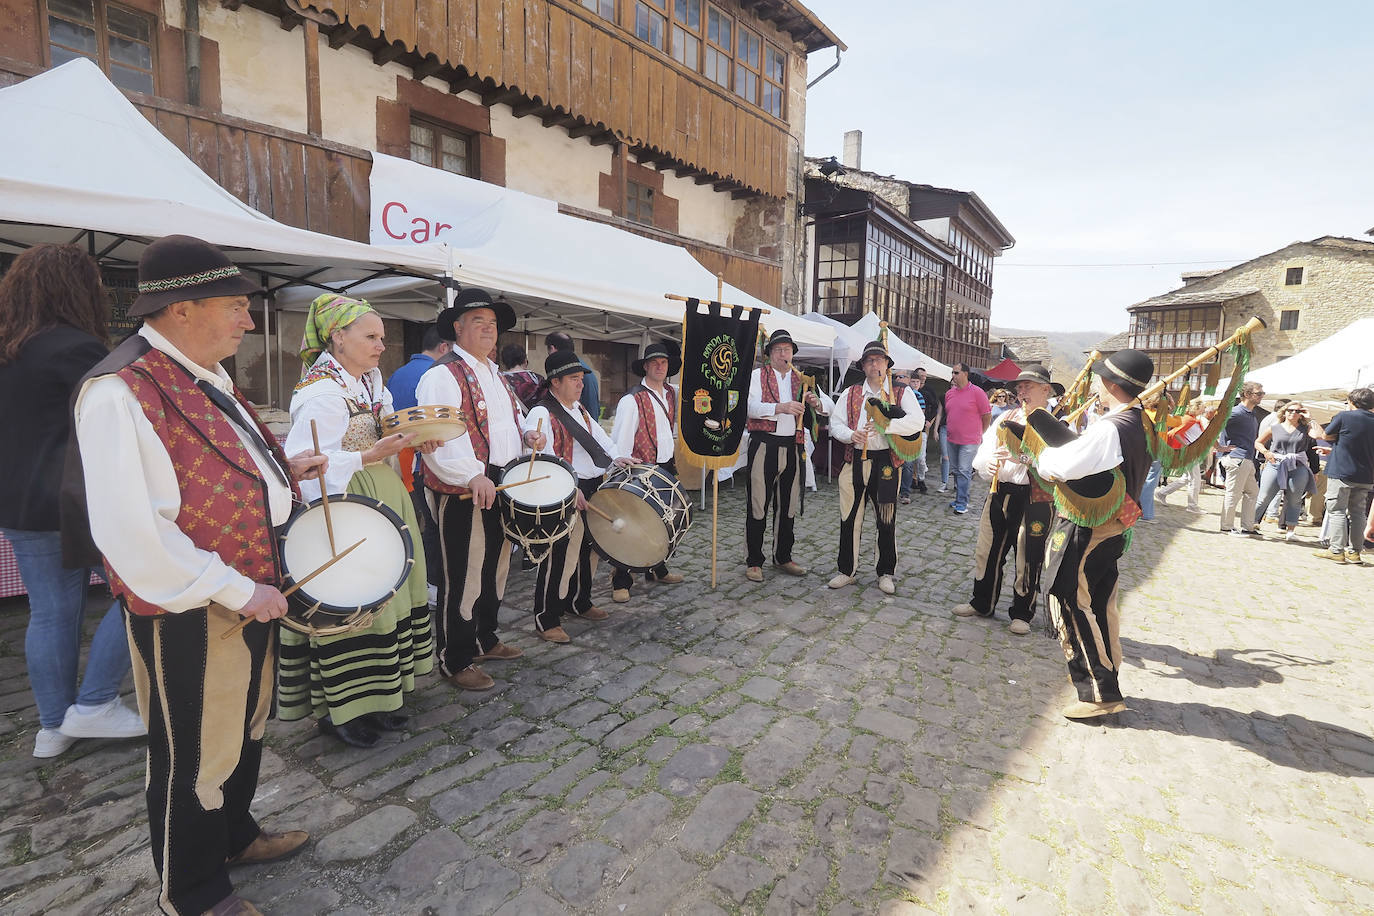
(1079, 381)
(1254, 324)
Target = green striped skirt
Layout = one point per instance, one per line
(369, 670)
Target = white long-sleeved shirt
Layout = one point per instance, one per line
(627, 421)
(134, 499)
(454, 461)
(327, 403)
(581, 461)
(1012, 470)
(1098, 448)
(909, 425)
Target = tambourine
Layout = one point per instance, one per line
(428, 422)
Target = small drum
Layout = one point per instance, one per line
(429, 423)
(655, 511)
(342, 598)
(538, 514)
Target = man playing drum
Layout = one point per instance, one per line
(564, 583)
(472, 541)
(871, 471)
(777, 453)
(645, 429)
(162, 429)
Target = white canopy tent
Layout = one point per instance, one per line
(1328, 369)
(904, 354)
(559, 271)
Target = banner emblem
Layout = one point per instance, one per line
(715, 376)
(701, 401)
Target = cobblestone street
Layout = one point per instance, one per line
(783, 748)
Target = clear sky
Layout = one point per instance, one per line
(1112, 132)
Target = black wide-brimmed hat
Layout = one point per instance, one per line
(1131, 369)
(780, 336)
(180, 267)
(561, 363)
(656, 351)
(875, 348)
(474, 298)
(1035, 372)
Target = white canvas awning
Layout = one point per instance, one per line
(904, 354)
(81, 162)
(1328, 369)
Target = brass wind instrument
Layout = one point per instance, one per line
(1254, 324)
(1079, 381)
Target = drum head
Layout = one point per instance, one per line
(364, 579)
(642, 543)
(560, 482)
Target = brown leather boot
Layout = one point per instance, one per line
(472, 678)
(500, 652)
(593, 613)
(555, 634)
(269, 847)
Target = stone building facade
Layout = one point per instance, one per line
(1304, 292)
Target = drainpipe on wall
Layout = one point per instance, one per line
(831, 69)
(191, 34)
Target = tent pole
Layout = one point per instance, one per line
(715, 511)
(267, 342)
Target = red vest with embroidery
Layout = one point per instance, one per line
(854, 412)
(768, 382)
(223, 497)
(645, 448)
(563, 440)
(475, 412)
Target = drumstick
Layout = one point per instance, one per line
(324, 495)
(617, 524)
(538, 428)
(321, 568)
(513, 483)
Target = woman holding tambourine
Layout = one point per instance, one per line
(354, 682)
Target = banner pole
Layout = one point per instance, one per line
(715, 511)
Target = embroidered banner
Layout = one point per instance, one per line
(717, 361)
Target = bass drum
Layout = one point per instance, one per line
(342, 598)
(654, 510)
(538, 514)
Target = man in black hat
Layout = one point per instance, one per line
(645, 428)
(184, 487)
(471, 538)
(1082, 560)
(564, 583)
(1016, 515)
(871, 471)
(777, 453)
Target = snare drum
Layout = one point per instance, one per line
(538, 514)
(655, 510)
(342, 598)
(429, 423)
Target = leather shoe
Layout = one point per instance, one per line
(500, 652)
(841, 580)
(555, 634)
(269, 847)
(754, 574)
(472, 678)
(387, 721)
(233, 905)
(593, 613)
(620, 595)
(792, 568)
(1084, 709)
(355, 733)
(671, 578)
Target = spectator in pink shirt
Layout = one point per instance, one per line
(967, 415)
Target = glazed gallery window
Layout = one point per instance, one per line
(774, 80)
(748, 64)
(639, 203)
(441, 147)
(686, 48)
(650, 22)
(720, 35)
(603, 8)
(119, 40)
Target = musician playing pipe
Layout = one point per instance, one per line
(872, 471)
(1082, 562)
(1016, 515)
(354, 683)
(564, 583)
(471, 538)
(778, 400)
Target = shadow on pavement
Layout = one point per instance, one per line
(1288, 740)
(1227, 668)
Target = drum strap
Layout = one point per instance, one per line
(230, 408)
(582, 434)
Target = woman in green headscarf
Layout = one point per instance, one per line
(354, 683)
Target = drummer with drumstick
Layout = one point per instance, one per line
(646, 429)
(184, 486)
(354, 683)
(461, 473)
(564, 583)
